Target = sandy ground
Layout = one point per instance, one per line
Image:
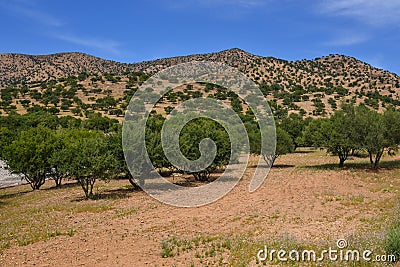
(313, 205)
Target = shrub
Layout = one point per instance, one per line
(392, 243)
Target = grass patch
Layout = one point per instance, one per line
(392, 242)
(242, 251)
(125, 212)
(30, 216)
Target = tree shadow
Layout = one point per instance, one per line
(265, 166)
(383, 165)
(304, 151)
(283, 166)
(63, 186)
(13, 195)
(114, 194)
(111, 194)
(190, 183)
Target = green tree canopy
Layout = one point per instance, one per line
(29, 154)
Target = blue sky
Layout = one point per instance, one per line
(133, 31)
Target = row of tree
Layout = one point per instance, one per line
(355, 128)
(41, 146)
(57, 148)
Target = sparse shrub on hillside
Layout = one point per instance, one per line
(341, 91)
(96, 121)
(168, 109)
(83, 76)
(374, 103)
(25, 102)
(332, 102)
(35, 94)
(116, 112)
(106, 103)
(319, 107)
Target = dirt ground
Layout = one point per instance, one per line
(305, 198)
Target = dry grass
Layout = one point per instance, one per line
(124, 227)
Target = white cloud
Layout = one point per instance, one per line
(375, 12)
(102, 44)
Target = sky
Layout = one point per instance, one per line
(134, 31)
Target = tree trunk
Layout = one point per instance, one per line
(58, 181)
(202, 176)
(91, 189)
(370, 157)
(269, 159)
(36, 181)
(134, 184)
(341, 162)
(378, 158)
(343, 157)
(83, 183)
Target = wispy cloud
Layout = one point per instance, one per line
(347, 39)
(247, 4)
(232, 3)
(102, 44)
(375, 12)
(54, 27)
(29, 10)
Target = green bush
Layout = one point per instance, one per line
(392, 244)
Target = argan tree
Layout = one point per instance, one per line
(29, 154)
(86, 158)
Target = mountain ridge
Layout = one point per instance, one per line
(17, 68)
(78, 82)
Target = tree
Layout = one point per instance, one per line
(6, 137)
(191, 136)
(114, 141)
(98, 122)
(29, 154)
(56, 160)
(337, 133)
(284, 142)
(392, 124)
(284, 145)
(86, 158)
(376, 132)
(313, 135)
(341, 133)
(294, 126)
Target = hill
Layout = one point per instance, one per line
(310, 87)
(20, 68)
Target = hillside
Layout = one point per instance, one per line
(76, 83)
(17, 68)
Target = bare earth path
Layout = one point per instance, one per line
(309, 204)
